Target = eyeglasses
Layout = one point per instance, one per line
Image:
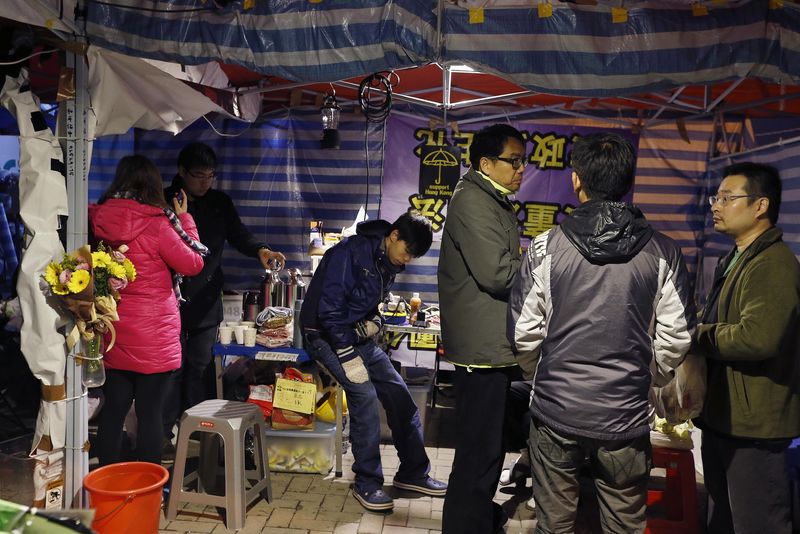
(515, 163)
(724, 199)
(200, 177)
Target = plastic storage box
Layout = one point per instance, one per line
(420, 383)
(302, 451)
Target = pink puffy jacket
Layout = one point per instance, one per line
(149, 326)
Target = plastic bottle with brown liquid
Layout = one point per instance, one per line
(413, 306)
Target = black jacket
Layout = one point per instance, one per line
(217, 221)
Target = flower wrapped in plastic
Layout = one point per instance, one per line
(87, 284)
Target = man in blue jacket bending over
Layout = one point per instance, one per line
(340, 318)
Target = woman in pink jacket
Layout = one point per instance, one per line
(162, 244)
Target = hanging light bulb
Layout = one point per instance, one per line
(330, 121)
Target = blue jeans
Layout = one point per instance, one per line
(402, 415)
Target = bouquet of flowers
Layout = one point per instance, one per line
(87, 284)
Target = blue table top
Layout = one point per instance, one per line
(235, 349)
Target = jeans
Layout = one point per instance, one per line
(402, 415)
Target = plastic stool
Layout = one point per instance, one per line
(229, 420)
(680, 495)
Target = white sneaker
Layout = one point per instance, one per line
(517, 471)
(530, 504)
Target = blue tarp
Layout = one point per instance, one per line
(578, 50)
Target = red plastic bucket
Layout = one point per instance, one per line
(126, 497)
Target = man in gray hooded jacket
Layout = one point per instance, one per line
(601, 307)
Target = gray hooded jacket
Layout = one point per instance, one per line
(602, 305)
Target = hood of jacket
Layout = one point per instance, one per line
(122, 218)
(607, 232)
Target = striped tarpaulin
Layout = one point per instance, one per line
(280, 180)
(292, 39)
(276, 174)
(579, 50)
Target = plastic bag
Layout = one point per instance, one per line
(682, 398)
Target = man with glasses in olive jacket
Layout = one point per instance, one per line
(750, 335)
(478, 261)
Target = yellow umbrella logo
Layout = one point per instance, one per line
(440, 158)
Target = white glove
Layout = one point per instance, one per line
(366, 329)
(353, 365)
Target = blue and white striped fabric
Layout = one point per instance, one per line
(279, 180)
(276, 174)
(292, 39)
(576, 51)
(579, 51)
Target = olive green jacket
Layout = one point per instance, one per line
(478, 262)
(752, 349)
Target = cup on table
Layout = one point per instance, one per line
(225, 335)
(250, 337)
(238, 332)
(248, 324)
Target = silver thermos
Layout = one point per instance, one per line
(295, 287)
(272, 290)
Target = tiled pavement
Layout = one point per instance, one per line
(311, 504)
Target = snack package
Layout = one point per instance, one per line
(261, 396)
(286, 419)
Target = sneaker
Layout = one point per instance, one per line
(167, 451)
(530, 504)
(427, 485)
(516, 472)
(375, 501)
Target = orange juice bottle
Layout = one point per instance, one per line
(414, 305)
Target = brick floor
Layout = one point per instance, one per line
(311, 504)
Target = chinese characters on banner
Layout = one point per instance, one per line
(423, 165)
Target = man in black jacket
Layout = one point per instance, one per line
(201, 312)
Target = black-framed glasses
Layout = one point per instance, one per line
(515, 163)
(724, 199)
(200, 177)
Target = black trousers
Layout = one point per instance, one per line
(120, 389)
(748, 486)
(194, 381)
(481, 396)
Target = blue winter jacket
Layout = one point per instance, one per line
(352, 279)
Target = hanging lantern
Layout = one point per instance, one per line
(330, 122)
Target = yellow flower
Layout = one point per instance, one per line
(78, 282)
(130, 270)
(60, 289)
(117, 270)
(51, 273)
(101, 259)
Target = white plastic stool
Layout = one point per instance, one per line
(230, 420)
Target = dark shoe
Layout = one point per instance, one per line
(167, 451)
(514, 473)
(499, 518)
(375, 501)
(428, 486)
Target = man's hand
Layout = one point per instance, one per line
(352, 364)
(269, 258)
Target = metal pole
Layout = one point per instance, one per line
(76, 159)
